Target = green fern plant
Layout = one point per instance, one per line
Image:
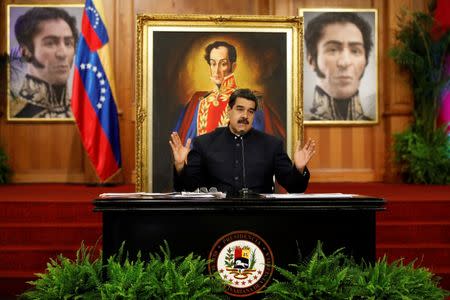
(423, 57)
(397, 281)
(320, 277)
(423, 161)
(69, 279)
(183, 278)
(162, 277)
(125, 280)
(337, 276)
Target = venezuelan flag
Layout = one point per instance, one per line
(93, 102)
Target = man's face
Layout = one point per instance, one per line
(341, 58)
(54, 49)
(220, 65)
(242, 115)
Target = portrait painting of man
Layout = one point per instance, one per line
(207, 110)
(187, 69)
(340, 66)
(196, 72)
(42, 43)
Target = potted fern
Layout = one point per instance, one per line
(69, 279)
(338, 276)
(320, 276)
(423, 150)
(161, 277)
(158, 277)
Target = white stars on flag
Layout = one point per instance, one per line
(97, 17)
(99, 75)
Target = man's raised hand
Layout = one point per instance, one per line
(303, 155)
(180, 152)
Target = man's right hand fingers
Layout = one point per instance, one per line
(176, 138)
(172, 145)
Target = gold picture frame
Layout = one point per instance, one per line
(170, 68)
(319, 107)
(32, 97)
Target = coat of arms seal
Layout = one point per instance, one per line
(244, 260)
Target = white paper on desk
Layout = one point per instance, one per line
(303, 196)
(202, 195)
(134, 195)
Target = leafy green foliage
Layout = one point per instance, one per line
(423, 161)
(68, 279)
(338, 277)
(5, 171)
(125, 280)
(320, 277)
(161, 278)
(423, 56)
(397, 281)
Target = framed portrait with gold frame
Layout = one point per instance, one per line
(340, 66)
(41, 44)
(179, 87)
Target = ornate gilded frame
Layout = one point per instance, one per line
(369, 82)
(17, 67)
(153, 31)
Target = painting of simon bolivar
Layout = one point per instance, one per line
(193, 74)
(42, 43)
(340, 66)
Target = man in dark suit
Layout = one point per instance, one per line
(239, 157)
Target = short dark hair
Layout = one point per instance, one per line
(232, 55)
(27, 25)
(243, 93)
(314, 30)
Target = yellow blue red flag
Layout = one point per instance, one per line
(93, 102)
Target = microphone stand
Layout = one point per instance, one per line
(245, 192)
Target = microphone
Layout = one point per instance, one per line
(244, 181)
(245, 191)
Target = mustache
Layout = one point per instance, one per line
(243, 121)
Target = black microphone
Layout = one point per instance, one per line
(244, 191)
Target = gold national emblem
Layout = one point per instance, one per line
(244, 260)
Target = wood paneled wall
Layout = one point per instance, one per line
(52, 152)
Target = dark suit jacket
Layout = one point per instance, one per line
(228, 162)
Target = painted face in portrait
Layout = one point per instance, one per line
(341, 59)
(54, 50)
(242, 115)
(220, 65)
